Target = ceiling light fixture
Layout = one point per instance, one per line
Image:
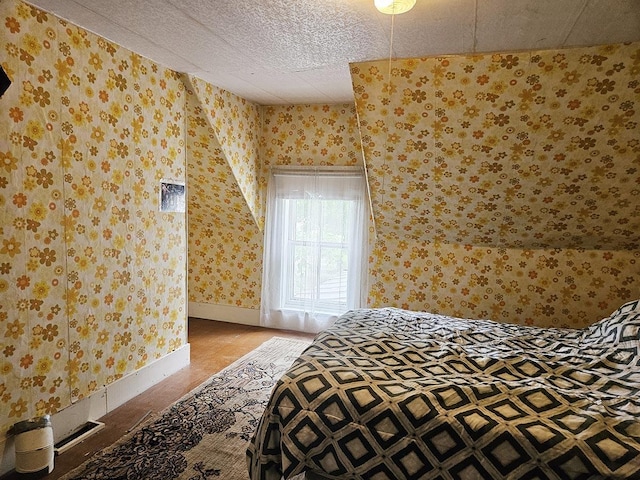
(394, 7)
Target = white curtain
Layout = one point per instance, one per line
(315, 250)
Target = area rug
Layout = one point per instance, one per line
(205, 434)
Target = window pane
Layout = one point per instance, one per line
(335, 220)
(318, 275)
(305, 216)
(302, 282)
(317, 253)
(333, 275)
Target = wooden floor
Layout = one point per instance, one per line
(214, 345)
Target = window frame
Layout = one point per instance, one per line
(281, 309)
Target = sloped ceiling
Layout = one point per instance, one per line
(298, 51)
(521, 150)
(223, 166)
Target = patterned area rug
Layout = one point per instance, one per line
(205, 434)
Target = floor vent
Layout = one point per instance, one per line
(82, 433)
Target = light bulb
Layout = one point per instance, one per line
(394, 7)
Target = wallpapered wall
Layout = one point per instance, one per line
(225, 235)
(457, 231)
(225, 201)
(505, 186)
(92, 275)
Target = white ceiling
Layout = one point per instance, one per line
(298, 51)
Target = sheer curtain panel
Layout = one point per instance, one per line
(315, 252)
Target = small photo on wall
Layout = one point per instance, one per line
(172, 196)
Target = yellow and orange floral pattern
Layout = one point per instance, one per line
(92, 275)
(225, 203)
(309, 136)
(227, 196)
(505, 186)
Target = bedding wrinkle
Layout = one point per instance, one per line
(392, 394)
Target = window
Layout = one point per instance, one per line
(317, 253)
(315, 248)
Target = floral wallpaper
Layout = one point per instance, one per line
(313, 135)
(92, 275)
(235, 124)
(544, 287)
(491, 256)
(225, 236)
(309, 135)
(505, 186)
(224, 200)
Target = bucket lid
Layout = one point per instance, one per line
(32, 424)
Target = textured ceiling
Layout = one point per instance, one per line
(298, 51)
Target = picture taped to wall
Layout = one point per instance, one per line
(172, 196)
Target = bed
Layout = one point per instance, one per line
(395, 394)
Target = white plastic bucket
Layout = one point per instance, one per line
(34, 446)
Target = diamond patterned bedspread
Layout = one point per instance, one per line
(394, 394)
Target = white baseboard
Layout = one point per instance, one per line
(137, 382)
(103, 401)
(225, 313)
